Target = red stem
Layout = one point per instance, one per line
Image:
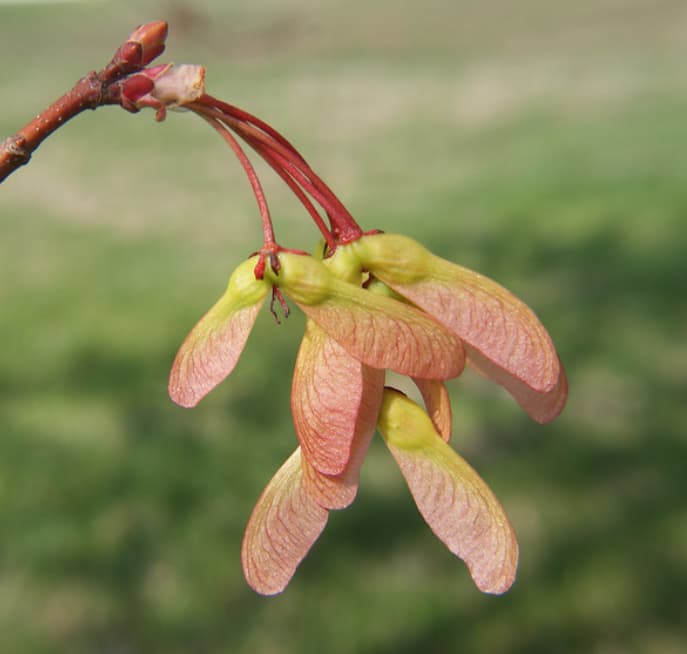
(267, 227)
(344, 226)
(261, 147)
(269, 157)
(244, 116)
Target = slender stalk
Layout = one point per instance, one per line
(298, 191)
(344, 225)
(261, 148)
(267, 227)
(247, 117)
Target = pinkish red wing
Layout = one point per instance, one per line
(214, 345)
(453, 499)
(338, 491)
(510, 343)
(542, 407)
(333, 398)
(385, 333)
(438, 404)
(284, 525)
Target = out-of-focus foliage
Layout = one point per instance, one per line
(539, 143)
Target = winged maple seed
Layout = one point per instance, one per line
(373, 302)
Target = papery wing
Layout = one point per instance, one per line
(338, 491)
(284, 525)
(488, 318)
(212, 348)
(453, 499)
(542, 407)
(438, 404)
(333, 396)
(384, 333)
(379, 331)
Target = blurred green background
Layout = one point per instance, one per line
(541, 143)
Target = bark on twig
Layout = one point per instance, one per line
(94, 90)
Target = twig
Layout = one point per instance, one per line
(94, 90)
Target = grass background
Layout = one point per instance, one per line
(541, 143)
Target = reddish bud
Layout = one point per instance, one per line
(151, 38)
(130, 55)
(136, 86)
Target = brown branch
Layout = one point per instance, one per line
(16, 150)
(94, 90)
